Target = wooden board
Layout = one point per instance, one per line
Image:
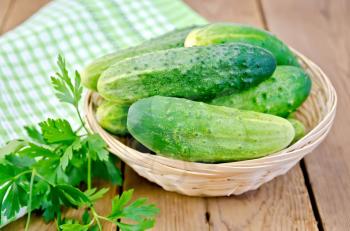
(320, 30)
(19, 11)
(246, 12)
(177, 212)
(281, 204)
(16, 12)
(4, 8)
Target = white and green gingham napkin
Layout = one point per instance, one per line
(80, 30)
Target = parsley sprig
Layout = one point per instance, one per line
(43, 173)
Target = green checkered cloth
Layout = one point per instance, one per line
(80, 30)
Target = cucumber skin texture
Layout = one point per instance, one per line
(198, 73)
(194, 131)
(279, 95)
(112, 117)
(172, 39)
(218, 33)
(299, 129)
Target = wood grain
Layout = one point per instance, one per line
(239, 11)
(282, 204)
(20, 10)
(4, 8)
(320, 30)
(253, 211)
(177, 212)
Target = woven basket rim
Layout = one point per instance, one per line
(286, 155)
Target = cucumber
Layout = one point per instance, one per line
(299, 129)
(195, 73)
(280, 94)
(218, 33)
(91, 73)
(195, 131)
(112, 117)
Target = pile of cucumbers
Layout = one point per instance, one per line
(215, 93)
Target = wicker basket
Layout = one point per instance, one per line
(199, 179)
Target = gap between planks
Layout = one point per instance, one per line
(245, 14)
(282, 204)
(311, 195)
(302, 163)
(320, 30)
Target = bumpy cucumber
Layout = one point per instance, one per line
(92, 71)
(280, 94)
(195, 131)
(112, 117)
(299, 129)
(195, 73)
(218, 33)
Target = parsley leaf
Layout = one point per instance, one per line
(94, 195)
(58, 160)
(48, 168)
(21, 162)
(35, 134)
(141, 226)
(97, 147)
(32, 150)
(71, 196)
(137, 211)
(68, 153)
(7, 172)
(40, 189)
(74, 227)
(63, 194)
(66, 90)
(14, 196)
(57, 130)
(12, 147)
(85, 218)
(107, 170)
(119, 202)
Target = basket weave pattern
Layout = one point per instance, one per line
(199, 179)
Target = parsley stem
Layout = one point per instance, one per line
(81, 120)
(89, 172)
(21, 174)
(104, 218)
(96, 217)
(59, 146)
(80, 127)
(43, 178)
(29, 206)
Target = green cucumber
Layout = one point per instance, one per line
(218, 33)
(199, 73)
(299, 129)
(91, 73)
(112, 117)
(195, 131)
(280, 94)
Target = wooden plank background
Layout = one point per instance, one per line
(320, 30)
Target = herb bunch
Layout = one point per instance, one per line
(49, 170)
